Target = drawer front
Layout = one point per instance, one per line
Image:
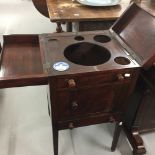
(85, 101)
(88, 120)
(92, 79)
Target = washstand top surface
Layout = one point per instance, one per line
(129, 42)
(84, 52)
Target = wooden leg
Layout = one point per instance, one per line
(55, 140)
(59, 28)
(136, 141)
(49, 110)
(69, 26)
(117, 131)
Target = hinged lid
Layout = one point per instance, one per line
(136, 30)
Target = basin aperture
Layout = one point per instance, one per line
(87, 54)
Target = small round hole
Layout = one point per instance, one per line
(122, 60)
(79, 38)
(102, 38)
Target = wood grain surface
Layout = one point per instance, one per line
(71, 10)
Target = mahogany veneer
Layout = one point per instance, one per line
(21, 61)
(103, 70)
(139, 36)
(87, 93)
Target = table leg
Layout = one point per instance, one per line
(55, 140)
(117, 132)
(136, 141)
(59, 27)
(69, 26)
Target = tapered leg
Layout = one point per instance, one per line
(135, 140)
(55, 140)
(117, 131)
(69, 26)
(59, 28)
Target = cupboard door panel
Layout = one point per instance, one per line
(145, 119)
(87, 101)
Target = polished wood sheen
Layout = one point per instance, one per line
(84, 16)
(87, 94)
(21, 62)
(128, 30)
(140, 114)
(114, 86)
(103, 70)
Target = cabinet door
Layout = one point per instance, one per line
(107, 98)
(145, 118)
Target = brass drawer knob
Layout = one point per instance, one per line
(71, 125)
(120, 77)
(74, 105)
(71, 83)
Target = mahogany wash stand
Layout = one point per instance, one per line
(103, 70)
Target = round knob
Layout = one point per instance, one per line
(71, 125)
(112, 119)
(120, 77)
(74, 105)
(71, 83)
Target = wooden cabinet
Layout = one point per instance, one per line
(86, 93)
(94, 90)
(87, 103)
(90, 97)
(90, 75)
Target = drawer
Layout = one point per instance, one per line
(88, 100)
(21, 61)
(92, 79)
(89, 120)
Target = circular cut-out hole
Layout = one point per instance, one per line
(102, 38)
(122, 60)
(79, 38)
(87, 54)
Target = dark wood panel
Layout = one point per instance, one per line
(137, 37)
(87, 101)
(97, 25)
(21, 61)
(89, 120)
(84, 80)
